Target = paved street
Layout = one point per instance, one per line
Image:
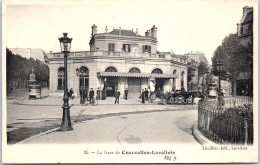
(104, 123)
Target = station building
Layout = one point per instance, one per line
(117, 60)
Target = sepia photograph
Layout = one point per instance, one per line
(95, 81)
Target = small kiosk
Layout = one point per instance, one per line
(34, 87)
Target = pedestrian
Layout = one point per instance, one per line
(126, 93)
(143, 96)
(91, 96)
(98, 94)
(146, 94)
(117, 94)
(71, 93)
(81, 93)
(149, 94)
(221, 100)
(103, 93)
(85, 95)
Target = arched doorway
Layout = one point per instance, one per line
(159, 82)
(134, 83)
(83, 78)
(111, 82)
(61, 81)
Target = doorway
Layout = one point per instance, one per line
(83, 78)
(111, 86)
(134, 87)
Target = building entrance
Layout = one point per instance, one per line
(111, 87)
(134, 87)
(83, 78)
(159, 82)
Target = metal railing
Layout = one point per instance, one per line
(233, 125)
(116, 54)
(231, 102)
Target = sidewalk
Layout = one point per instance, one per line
(46, 100)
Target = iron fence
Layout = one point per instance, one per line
(231, 124)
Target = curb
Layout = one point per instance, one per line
(37, 135)
(200, 137)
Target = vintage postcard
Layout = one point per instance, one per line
(120, 81)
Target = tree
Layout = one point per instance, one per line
(235, 57)
(202, 69)
(191, 73)
(18, 70)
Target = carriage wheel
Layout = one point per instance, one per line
(189, 100)
(180, 99)
(171, 100)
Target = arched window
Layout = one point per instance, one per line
(83, 78)
(111, 69)
(182, 78)
(134, 70)
(157, 71)
(175, 71)
(61, 81)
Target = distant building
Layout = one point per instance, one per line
(117, 60)
(197, 56)
(193, 60)
(244, 83)
(36, 53)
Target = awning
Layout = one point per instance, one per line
(144, 75)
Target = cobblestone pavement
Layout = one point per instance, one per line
(25, 118)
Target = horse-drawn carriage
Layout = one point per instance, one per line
(180, 97)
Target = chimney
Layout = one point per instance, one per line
(136, 32)
(106, 29)
(246, 9)
(154, 32)
(120, 31)
(94, 30)
(29, 53)
(147, 34)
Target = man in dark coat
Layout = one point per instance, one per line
(146, 94)
(126, 93)
(98, 94)
(71, 93)
(85, 94)
(91, 96)
(81, 96)
(143, 96)
(117, 94)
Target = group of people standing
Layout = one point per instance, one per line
(146, 95)
(88, 96)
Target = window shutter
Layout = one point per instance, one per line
(123, 47)
(143, 48)
(149, 49)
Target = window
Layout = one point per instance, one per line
(111, 47)
(111, 69)
(146, 48)
(157, 71)
(61, 81)
(126, 47)
(83, 78)
(182, 79)
(161, 56)
(134, 70)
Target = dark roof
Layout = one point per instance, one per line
(248, 18)
(123, 32)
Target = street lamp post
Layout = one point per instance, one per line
(65, 44)
(219, 70)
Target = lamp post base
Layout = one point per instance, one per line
(66, 123)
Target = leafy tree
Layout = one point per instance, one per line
(191, 72)
(234, 56)
(202, 69)
(19, 68)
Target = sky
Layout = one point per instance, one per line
(183, 26)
